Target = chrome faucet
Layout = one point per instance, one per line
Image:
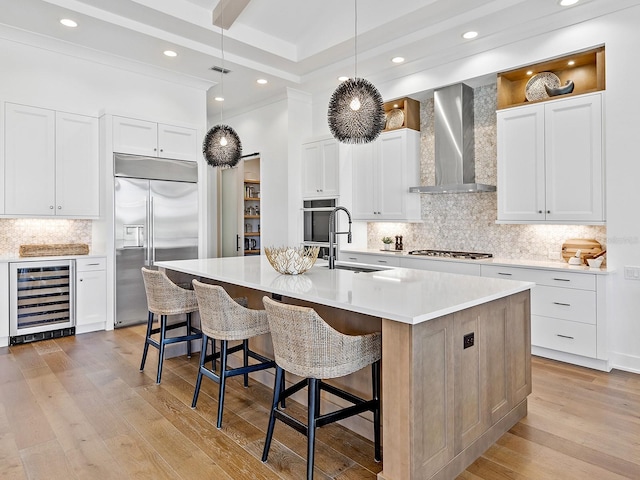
(333, 233)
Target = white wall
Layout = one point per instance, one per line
(276, 131)
(621, 37)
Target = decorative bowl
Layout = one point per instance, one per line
(595, 262)
(291, 260)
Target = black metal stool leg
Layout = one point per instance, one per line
(375, 379)
(163, 332)
(311, 426)
(203, 357)
(213, 354)
(277, 390)
(245, 355)
(223, 378)
(146, 340)
(188, 333)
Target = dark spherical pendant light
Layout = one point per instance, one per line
(356, 112)
(222, 147)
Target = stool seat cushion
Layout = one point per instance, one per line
(305, 345)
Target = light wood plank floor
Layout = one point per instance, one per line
(78, 407)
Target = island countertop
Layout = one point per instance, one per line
(401, 294)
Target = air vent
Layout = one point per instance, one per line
(218, 69)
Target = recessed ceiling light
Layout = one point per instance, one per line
(262, 81)
(566, 3)
(571, 63)
(395, 105)
(397, 59)
(170, 53)
(529, 72)
(219, 99)
(67, 22)
(343, 78)
(469, 35)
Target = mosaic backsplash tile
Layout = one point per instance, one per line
(21, 231)
(466, 221)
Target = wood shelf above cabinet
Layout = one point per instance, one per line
(252, 216)
(587, 73)
(253, 182)
(251, 234)
(251, 199)
(411, 110)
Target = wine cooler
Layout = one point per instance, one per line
(42, 300)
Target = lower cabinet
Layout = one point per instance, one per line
(91, 294)
(384, 260)
(446, 266)
(567, 313)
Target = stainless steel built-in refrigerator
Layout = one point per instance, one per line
(156, 219)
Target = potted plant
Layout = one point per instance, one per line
(387, 242)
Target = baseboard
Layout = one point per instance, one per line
(627, 363)
(596, 364)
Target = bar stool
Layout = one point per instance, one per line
(226, 319)
(305, 345)
(166, 298)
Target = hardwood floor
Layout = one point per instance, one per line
(78, 407)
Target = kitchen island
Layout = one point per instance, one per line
(456, 366)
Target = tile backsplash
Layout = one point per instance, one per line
(22, 231)
(465, 221)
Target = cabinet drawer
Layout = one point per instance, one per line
(563, 335)
(565, 303)
(388, 260)
(441, 266)
(88, 264)
(552, 278)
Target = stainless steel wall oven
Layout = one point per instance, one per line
(316, 222)
(42, 300)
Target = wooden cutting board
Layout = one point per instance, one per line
(588, 247)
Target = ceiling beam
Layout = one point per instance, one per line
(228, 10)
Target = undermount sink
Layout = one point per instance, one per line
(358, 269)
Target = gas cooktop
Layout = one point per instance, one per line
(451, 254)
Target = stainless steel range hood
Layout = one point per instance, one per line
(454, 142)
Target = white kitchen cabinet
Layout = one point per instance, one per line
(550, 162)
(91, 294)
(383, 171)
(446, 266)
(567, 313)
(140, 137)
(51, 163)
(320, 166)
(383, 260)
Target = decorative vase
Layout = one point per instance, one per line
(387, 246)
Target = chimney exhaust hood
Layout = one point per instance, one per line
(454, 143)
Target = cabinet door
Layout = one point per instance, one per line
(330, 168)
(311, 169)
(390, 175)
(136, 137)
(573, 148)
(177, 142)
(91, 297)
(29, 160)
(77, 166)
(521, 174)
(364, 175)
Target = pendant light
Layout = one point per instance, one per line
(356, 112)
(222, 146)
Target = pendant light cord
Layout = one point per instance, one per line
(355, 38)
(222, 69)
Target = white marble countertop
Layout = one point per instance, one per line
(507, 262)
(401, 294)
(18, 258)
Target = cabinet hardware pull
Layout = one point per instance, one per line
(353, 258)
(548, 211)
(539, 211)
(563, 304)
(564, 336)
(562, 279)
(51, 207)
(92, 264)
(59, 207)
(382, 261)
(80, 279)
(503, 273)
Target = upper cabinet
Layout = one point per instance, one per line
(550, 162)
(51, 163)
(140, 137)
(383, 171)
(320, 164)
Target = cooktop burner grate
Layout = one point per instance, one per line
(451, 254)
